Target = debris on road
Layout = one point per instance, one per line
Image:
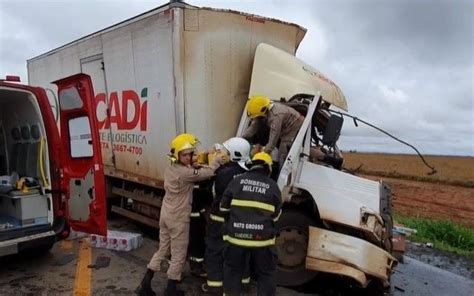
(76, 235)
(117, 240)
(399, 289)
(398, 246)
(404, 230)
(100, 262)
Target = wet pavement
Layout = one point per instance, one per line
(73, 268)
(107, 272)
(457, 264)
(417, 278)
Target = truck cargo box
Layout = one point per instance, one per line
(177, 68)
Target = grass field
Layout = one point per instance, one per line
(445, 235)
(452, 170)
(439, 206)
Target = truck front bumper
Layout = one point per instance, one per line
(337, 253)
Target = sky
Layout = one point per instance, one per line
(403, 65)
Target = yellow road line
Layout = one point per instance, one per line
(82, 283)
(65, 245)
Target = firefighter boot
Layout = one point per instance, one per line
(145, 286)
(197, 269)
(208, 290)
(172, 290)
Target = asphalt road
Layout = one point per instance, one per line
(418, 278)
(74, 268)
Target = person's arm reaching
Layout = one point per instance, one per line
(203, 173)
(275, 123)
(251, 130)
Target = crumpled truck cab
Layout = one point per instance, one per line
(333, 221)
(48, 182)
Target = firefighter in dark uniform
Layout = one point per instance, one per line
(202, 200)
(252, 203)
(238, 150)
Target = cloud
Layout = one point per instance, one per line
(406, 65)
(393, 95)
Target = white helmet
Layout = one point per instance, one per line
(239, 150)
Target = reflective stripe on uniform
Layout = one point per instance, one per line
(249, 243)
(277, 217)
(224, 209)
(196, 259)
(195, 214)
(216, 218)
(202, 210)
(246, 280)
(253, 204)
(214, 283)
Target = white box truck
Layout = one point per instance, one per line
(180, 68)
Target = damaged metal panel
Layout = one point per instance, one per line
(278, 74)
(340, 197)
(350, 251)
(337, 268)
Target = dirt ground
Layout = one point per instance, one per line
(430, 200)
(450, 169)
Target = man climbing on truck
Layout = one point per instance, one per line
(284, 123)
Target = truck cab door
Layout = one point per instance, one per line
(83, 180)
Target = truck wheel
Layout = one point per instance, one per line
(292, 245)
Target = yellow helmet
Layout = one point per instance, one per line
(257, 106)
(190, 137)
(182, 142)
(265, 157)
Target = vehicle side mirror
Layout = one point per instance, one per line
(332, 130)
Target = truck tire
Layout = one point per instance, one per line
(291, 245)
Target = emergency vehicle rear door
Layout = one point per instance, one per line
(83, 178)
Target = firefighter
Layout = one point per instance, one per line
(179, 179)
(283, 121)
(202, 200)
(252, 203)
(238, 150)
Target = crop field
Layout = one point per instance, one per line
(446, 195)
(452, 170)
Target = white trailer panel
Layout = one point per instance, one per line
(176, 69)
(219, 48)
